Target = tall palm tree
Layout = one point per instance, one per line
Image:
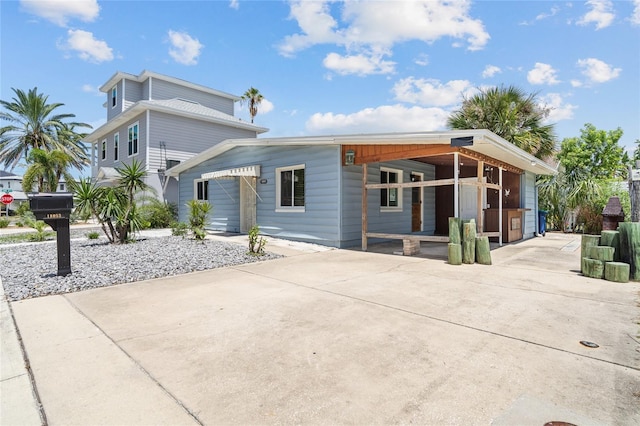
(46, 168)
(511, 114)
(253, 97)
(34, 123)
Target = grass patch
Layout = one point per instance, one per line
(25, 238)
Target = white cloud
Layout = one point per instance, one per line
(601, 14)
(423, 59)
(184, 48)
(553, 12)
(431, 92)
(87, 47)
(542, 74)
(61, 11)
(560, 110)
(635, 16)
(576, 83)
(371, 29)
(490, 71)
(94, 90)
(234, 4)
(598, 71)
(386, 118)
(358, 64)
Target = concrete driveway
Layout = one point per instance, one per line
(345, 337)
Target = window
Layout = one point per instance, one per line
(116, 146)
(290, 189)
(133, 140)
(114, 96)
(62, 187)
(201, 190)
(390, 198)
(103, 150)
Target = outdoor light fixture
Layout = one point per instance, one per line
(349, 157)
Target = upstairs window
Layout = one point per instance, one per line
(390, 198)
(133, 139)
(103, 150)
(290, 189)
(114, 96)
(116, 146)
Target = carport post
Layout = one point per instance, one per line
(364, 206)
(456, 165)
(500, 207)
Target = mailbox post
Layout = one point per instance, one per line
(54, 208)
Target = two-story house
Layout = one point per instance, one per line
(161, 121)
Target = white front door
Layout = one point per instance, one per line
(247, 203)
(469, 199)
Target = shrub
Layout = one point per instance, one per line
(40, 234)
(256, 242)
(179, 229)
(198, 214)
(93, 235)
(158, 214)
(23, 209)
(4, 222)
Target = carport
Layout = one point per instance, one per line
(477, 160)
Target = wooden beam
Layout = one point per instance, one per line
(431, 238)
(377, 153)
(489, 160)
(419, 184)
(481, 187)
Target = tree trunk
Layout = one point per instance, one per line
(617, 272)
(593, 268)
(483, 250)
(600, 253)
(630, 247)
(454, 230)
(455, 254)
(469, 242)
(611, 239)
(587, 241)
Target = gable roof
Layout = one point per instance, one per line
(9, 175)
(484, 142)
(176, 106)
(145, 75)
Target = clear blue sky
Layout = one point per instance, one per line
(332, 67)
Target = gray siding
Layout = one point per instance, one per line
(161, 89)
(319, 223)
(529, 202)
(113, 111)
(132, 93)
(123, 146)
(184, 137)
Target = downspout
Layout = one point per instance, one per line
(456, 202)
(341, 192)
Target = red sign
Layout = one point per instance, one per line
(6, 199)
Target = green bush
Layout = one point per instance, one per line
(179, 229)
(23, 209)
(4, 222)
(198, 213)
(40, 234)
(256, 242)
(158, 214)
(93, 235)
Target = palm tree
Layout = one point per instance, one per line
(254, 98)
(46, 167)
(34, 123)
(511, 114)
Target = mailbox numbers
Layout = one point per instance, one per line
(54, 216)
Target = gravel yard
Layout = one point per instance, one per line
(29, 269)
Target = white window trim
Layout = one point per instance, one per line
(289, 209)
(114, 96)
(116, 143)
(103, 150)
(133, 154)
(399, 172)
(195, 190)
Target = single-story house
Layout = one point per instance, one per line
(348, 190)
